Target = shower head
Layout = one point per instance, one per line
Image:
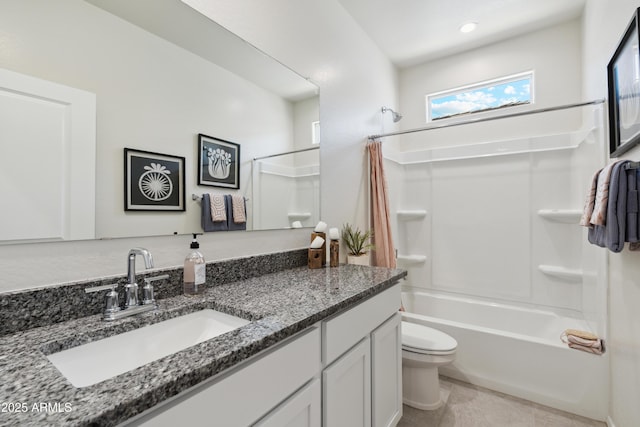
(396, 116)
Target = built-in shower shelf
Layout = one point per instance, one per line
(569, 216)
(299, 215)
(411, 214)
(568, 274)
(412, 259)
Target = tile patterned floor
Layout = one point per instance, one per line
(472, 406)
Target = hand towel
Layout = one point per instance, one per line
(590, 201)
(233, 225)
(583, 340)
(218, 209)
(237, 202)
(612, 234)
(599, 215)
(205, 218)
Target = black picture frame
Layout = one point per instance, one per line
(153, 181)
(623, 77)
(218, 162)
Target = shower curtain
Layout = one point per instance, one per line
(384, 252)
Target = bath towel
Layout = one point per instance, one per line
(612, 235)
(590, 201)
(599, 215)
(205, 219)
(218, 210)
(231, 224)
(583, 340)
(237, 203)
(631, 232)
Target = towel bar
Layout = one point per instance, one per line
(196, 197)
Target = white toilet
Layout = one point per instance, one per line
(424, 349)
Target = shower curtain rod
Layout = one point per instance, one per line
(287, 152)
(486, 119)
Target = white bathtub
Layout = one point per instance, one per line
(516, 351)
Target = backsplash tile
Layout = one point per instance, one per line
(21, 310)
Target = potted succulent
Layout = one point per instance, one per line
(357, 243)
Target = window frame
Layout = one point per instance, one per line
(481, 85)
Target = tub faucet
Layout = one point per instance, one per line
(131, 288)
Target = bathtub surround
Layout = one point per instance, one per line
(278, 304)
(22, 310)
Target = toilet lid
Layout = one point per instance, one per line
(423, 339)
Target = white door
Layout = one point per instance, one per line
(47, 160)
(386, 373)
(347, 389)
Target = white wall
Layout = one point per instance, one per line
(316, 39)
(604, 24)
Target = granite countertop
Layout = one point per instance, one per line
(33, 392)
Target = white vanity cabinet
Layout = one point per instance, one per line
(243, 395)
(362, 379)
(343, 371)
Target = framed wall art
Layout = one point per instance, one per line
(153, 181)
(218, 162)
(623, 76)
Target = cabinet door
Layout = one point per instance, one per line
(347, 389)
(300, 410)
(386, 373)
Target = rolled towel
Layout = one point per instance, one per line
(218, 209)
(583, 340)
(317, 243)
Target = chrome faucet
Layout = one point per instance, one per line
(131, 288)
(112, 310)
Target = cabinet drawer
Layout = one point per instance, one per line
(248, 392)
(343, 331)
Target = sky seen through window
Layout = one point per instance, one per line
(482, 98)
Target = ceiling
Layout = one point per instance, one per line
(410, 32)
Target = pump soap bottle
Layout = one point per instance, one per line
(194, 270)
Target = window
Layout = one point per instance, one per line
(490, 95)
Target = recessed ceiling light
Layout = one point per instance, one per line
(468, 27)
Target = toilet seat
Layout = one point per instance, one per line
(422, 339)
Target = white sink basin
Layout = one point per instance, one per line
(97, 361)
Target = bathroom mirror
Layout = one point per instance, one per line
(161, 74)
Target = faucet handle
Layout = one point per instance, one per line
(148, 288)
(112, 304)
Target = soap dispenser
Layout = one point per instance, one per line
(195, 270)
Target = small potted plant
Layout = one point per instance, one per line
(357, 243)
